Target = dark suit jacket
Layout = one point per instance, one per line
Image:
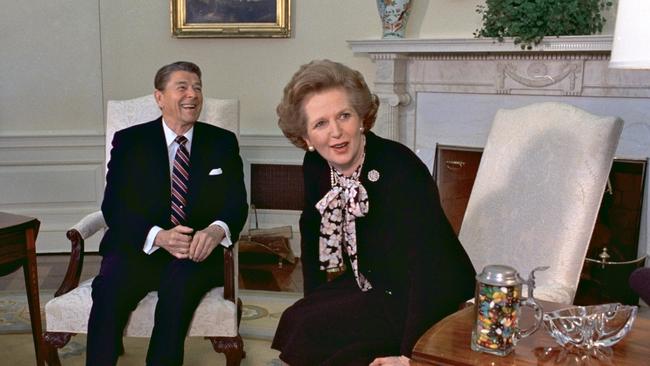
(138, 188)
(406, 247)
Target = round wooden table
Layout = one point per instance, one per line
(448, 343)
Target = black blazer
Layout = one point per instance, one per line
(406, 247)
(138, 187)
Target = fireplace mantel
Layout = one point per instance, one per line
(446, 91)
(480, 45)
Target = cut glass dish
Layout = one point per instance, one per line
(587, 327)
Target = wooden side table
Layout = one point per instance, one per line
(18, 248)
(448, 343)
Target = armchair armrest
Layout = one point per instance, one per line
(89, 225)
(231, 277)
(82, 230)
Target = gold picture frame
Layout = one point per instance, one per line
(231, 18)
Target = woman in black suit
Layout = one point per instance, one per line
(381, 263)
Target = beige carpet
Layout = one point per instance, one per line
(18, 350)
(261, 312)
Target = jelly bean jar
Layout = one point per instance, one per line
(497, 307)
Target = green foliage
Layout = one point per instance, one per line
(528, 21)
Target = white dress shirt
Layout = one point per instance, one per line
(172, 147)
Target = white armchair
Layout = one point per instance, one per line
(537, 193)
(219, 313)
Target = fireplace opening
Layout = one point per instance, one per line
(277, 186)
(616, 229)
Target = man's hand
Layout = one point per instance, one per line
(205, 241)
(175, 240)
(391, 361)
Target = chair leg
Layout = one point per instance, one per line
(239, 311)
(232, 347)
(52, 342)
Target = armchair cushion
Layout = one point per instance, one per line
(69, 313)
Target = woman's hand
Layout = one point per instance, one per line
(391, 361)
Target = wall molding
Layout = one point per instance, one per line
(266, 149)
(59, 178)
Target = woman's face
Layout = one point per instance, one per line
(334, 129)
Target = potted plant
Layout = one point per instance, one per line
(529, 21)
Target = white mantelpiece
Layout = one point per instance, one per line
(559, 66)
(446, 91)
(480, 45)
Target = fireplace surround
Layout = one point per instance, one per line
(446, 91)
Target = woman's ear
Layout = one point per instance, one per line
(310, 147)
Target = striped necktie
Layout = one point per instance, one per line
(180, 179)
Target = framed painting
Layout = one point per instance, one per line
(231, 18)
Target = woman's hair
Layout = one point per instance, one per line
(318, 76)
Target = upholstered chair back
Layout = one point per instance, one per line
(217, 316)
(538, 191)
(121, 114)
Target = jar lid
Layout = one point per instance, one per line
(499, 275)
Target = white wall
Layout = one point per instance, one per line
(70, 56)
(63, 59)
(50, 69)
(253, 70)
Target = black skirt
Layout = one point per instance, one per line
(337, 324)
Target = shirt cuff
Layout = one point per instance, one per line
(149, 247)
(226, 242)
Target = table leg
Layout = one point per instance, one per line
(31, 285)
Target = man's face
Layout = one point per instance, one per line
(181, 100)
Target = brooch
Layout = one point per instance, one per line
(373, 175)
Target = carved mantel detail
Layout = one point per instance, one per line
(565, 77)
(390, 87)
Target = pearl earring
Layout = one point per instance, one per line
(361, 129)
(310, 148)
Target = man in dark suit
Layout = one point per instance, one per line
(174, 197)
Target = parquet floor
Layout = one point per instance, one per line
(256, 272)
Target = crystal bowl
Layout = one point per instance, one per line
(590, 326)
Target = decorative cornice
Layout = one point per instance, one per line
(597, 44)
